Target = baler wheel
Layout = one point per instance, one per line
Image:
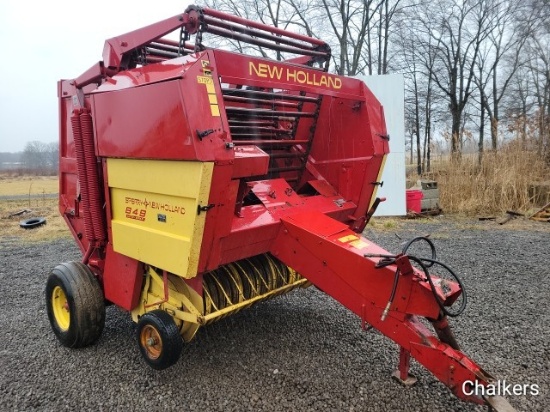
(159, 340)
(75, 305)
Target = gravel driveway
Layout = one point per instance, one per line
(299, 352)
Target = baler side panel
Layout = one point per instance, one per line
(218, 219)
(203, 104)
(348, 149)
(143, 122)
(122, 278)
(155, 217)
(143, 115)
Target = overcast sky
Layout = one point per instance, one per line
(44, 41)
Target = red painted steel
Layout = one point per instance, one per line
(296, 153)
(285, 33)
(249, 161)
(331, 256)
(265, 73)
(122, 279)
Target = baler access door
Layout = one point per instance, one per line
(157, 211)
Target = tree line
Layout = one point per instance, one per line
(477, 72)
(37, 157)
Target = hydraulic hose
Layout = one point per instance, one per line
(424, 264)
(418, 239)
(424, 267)
(392, 295)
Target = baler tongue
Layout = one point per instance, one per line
(389, 294)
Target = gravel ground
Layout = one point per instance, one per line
(300, 352)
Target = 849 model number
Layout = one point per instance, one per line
(135, 214)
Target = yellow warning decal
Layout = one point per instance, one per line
(353, 241)
(359, 244)
(212, 98)
(348, 238)
(215, 110)
(205, 80)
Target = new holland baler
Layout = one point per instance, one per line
(198, 181)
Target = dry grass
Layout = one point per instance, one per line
(39, 206)
(501, 182)
(23, 185)
(55, 227)
(383, 223)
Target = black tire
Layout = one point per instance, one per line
(159, 339)
(74, 302)
(32, 222)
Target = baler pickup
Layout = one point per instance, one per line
(198, 181)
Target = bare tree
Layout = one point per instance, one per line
(411, 66)
(538, 47)
(345, 25)
(497, 63)
(528, 105)
(41, 157)
(358, 31)
(416, 58)
(520, 103)
(388, 12)
(455, 29)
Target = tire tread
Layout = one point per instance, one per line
(172, 341)
(88, 312)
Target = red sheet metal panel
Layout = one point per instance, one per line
(144, 122)
(122, 278)
(255, 71)
(250, 161)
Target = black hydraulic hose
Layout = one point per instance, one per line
(418, 239)
(392, 295)
(455, 277)
(424, 267)
(424, 264)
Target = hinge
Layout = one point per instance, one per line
(204, 208)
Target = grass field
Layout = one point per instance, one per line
(23, 185)
(37, 205)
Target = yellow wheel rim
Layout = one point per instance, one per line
(60, 308)
(151, 341)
